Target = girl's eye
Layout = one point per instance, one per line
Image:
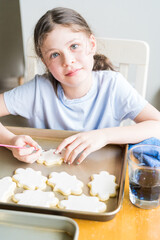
(74, 46)
(54, 55)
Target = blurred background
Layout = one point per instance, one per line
(138, 19)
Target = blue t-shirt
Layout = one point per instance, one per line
(110, 100)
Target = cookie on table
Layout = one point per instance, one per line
(50, 157)
(83, 203)
(65, 184)
(7, 188)
(36, 198)
(29, 179)
(103, 185)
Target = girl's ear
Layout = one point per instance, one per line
(93, 43)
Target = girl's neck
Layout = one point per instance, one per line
(79, 91)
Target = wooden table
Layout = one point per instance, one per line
(129, 223)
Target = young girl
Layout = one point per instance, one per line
(80, 92)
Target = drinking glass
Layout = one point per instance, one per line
(144, 176)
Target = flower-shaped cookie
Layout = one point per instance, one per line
(36, 198)
(29, 179)
(103, 185)
(7, 187)
(65, 183)
(83, 203)
(50, 158)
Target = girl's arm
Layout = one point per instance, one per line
(148, 125)
(7, 137)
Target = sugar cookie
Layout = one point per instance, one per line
(29, 179)
(36, 198)
(50, 157)
(65, 183)
(83, 203)
(103, 185)
(7, 187)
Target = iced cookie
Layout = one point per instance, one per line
(7, 187)
(64, 183)
(29, 179)
(103, 185)
(50, 158)
(83, 203)
(36, 198)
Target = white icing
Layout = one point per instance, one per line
(103, 185)
(36, 198)
(29, 179)
(65, 183)
(50, 157)
(83, 203)
(7, 187)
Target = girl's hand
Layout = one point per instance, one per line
(83, 144)
(29, 154)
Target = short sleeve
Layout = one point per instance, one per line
(126, 102)
(20, 100)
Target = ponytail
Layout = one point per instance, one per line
(101, 62)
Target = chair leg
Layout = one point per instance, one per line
(20, 80)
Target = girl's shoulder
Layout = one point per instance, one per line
(107, 74)
(108, 77)
(42, 79)
(39, 81)
(36, 86)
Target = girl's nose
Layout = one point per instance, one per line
(68, 59)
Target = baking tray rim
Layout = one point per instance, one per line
(43, 217)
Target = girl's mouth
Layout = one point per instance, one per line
(73, 72)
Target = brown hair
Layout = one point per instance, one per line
(68, 18)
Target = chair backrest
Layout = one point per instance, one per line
(33, 64)
(125, 53)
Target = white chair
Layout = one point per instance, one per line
(122, 52)
(34, 65)
(128, 55)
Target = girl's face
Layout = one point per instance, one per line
(69, 57)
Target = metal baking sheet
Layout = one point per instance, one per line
(111, 158)
(33, 226)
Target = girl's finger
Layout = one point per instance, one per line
(75, 152)
(71, 148)
(28, 140)
(30, 158)
(25, 151)
(65, 143)
(83, 155)
(23, 140)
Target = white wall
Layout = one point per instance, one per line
(138, 19)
